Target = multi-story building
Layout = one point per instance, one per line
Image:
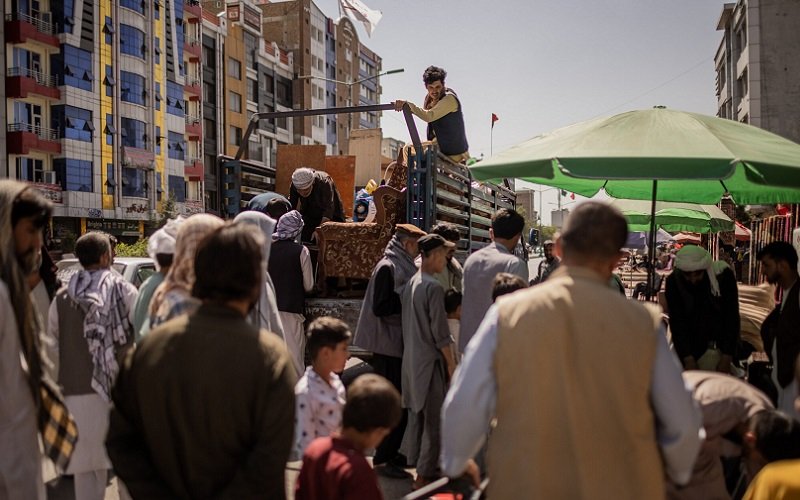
(333, 68)
(756, 64)
(102, 100)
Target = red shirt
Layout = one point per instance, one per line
(334, 470)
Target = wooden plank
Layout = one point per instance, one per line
(452, 197)
(452, 212)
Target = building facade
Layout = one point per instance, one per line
(758, 65)
(332, 68)
(99, 98)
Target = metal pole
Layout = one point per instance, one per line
(651, 270)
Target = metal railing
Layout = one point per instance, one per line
(41, 25)
(38, 76)
(47, 134)
(191, 160)
(191, 119)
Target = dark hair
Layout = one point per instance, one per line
(372, 403)
(507, 223)
(164, 259)
(447, 231)
(326, 331)
(47, 271)
(277, 207)
(505, 283)
(594, 230)
(434, 74)
(779, 250)
(228, 264)
(777, 435)
(29, 203)
(452, 299)
(91, 247)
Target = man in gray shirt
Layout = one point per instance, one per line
(481, 267)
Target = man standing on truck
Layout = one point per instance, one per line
(314, 195)
(380, 331)
(443, 114)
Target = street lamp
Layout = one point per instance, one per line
(350, 89)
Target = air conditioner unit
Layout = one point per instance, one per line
(50, 178)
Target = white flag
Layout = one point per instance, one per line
(357, 11)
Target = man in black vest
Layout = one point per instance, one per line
(442, 112)
(779, 331)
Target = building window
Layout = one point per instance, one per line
(158, 140)
(73, 67)
(235, 102)
(177, 188)
(75, 175)
(132, 88)
(283, 92)
(250, 50)
(157, 50)
(209, 57)
(268, 84)
(175, 104)
(234, 68)
(30, 169)
(235, 134)
(131, 41)
(158, 96)
(133, 133)
(176, 145)
(134, 182)
(109, 81)
(209, 165)
(159, 186)
(209, 129)
(134, 5)
(73, 123)
(252, 90)
(111, 183)
(109, 129)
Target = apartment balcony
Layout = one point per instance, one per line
(25, 137)
(193, 168)
(21, 82)
(193, 88)
(193, 47)
(192, 11)
(194, 127)
(21, 28)
(191, 207)
(742, 63)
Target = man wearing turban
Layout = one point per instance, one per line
(314, 195)
(703, 303)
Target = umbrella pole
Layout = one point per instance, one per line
(651, 269)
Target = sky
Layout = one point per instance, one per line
(540, 65)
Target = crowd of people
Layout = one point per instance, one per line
(196, 385)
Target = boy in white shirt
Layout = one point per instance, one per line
(319, 394)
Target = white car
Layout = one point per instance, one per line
(134, 269)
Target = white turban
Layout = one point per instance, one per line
(163, 240)
(303, 178)
(693, 258)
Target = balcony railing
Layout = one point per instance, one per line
(46, 134)
(191, 160)
(191, 119)
(38, 76)
(41, 25)
(191, 40)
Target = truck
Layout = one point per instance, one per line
(423, 190)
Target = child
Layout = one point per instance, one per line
(319, 394)
(334, 467)
(506, 283)
(452, 306)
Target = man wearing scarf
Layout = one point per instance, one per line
(313, 193)
(290, 267)
(91, 322)
(23, 215)
(703, 303)
(380, 330)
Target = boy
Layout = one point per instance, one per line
(319, 394)
(334, 467)
(505, 283)
(428, 361)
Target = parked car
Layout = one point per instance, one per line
(134, 269)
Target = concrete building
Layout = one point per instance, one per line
(758, 65)
(98, 98)
(526, 201)
(337, 70)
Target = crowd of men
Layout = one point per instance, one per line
(196, 385)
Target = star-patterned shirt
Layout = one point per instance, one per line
(318, 408)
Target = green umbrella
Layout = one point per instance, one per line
(673, 216)
(657, 154)
(695, 158)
